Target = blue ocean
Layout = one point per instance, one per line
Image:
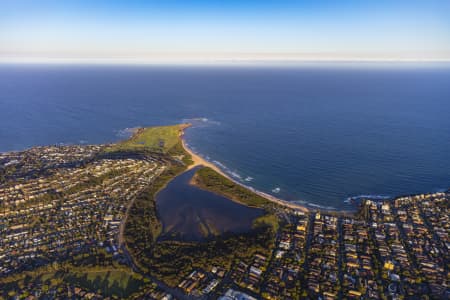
(314, 134)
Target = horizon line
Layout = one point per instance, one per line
(211, 61)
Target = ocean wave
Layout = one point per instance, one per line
(227, 170)
(276, 190)
(315, 205)
(236, 175)
(440, 190)
(230, 172)
(299, 201)
(197, 122)
(320, 206)
(251, 188)
(126, 132)
(219, 164)
(367, 196)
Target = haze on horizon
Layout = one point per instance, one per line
(211, 31)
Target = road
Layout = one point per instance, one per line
(120, 237)
(129, 259)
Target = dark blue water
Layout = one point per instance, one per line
(319, 134)
(183, 207)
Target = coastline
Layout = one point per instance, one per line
(199, 161)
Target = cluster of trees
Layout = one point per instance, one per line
(2, 175)
(172, 260)
(56, 281)
(208, 179)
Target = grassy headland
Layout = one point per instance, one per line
(153, 139)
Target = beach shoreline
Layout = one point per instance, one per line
(200, 161)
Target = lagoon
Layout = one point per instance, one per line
(190, 213)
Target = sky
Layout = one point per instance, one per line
(229, 30)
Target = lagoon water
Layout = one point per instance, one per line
(191, 213)
(318, 134)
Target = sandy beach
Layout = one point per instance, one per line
(199, 161)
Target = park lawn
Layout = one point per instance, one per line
(269, 219)
(121, 283)
(110, 281)
(154, 139)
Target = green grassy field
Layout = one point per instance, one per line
(267, 220)
(117, 282)
(155, 139)
(109, 281)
